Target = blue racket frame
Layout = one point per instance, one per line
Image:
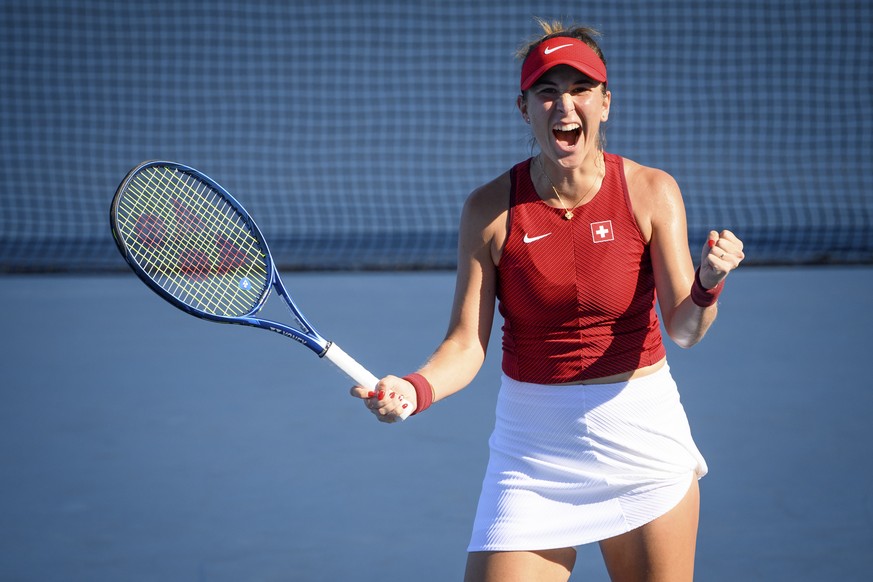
(308, 336)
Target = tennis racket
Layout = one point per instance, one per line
(193, 244)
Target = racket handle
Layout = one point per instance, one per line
(355, 371)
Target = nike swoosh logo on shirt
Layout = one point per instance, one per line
(549, 49)
(529, 239)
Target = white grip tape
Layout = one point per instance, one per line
(355, 371)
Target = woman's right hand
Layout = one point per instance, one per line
(392, 400)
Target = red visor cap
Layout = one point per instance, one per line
(561, 50)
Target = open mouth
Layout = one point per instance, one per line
(568, 134)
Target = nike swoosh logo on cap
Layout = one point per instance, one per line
(550, 49)
(529, 239)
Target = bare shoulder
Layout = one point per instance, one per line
(646, 182)
(486, 207)
(491, 196)
(654, 194)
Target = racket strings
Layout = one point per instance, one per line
(202, 225)
(194, 261)
(192, 242)
(193, 268)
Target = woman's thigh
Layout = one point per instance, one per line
(662, 550)
(542, 566)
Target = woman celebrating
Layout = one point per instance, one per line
(591, 442)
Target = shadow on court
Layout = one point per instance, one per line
(138, 443)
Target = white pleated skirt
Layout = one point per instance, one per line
(570, 465)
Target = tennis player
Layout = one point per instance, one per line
(591, 442)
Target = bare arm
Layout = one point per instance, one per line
(661, 215)
(459, 356)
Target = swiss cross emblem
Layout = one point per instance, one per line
(602, 231)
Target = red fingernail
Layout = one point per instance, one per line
(711, 243)
(405, 405)
(381, 394)
(391, 395)
(370, 394)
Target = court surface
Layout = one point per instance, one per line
(140, 444)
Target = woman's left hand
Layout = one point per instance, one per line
(722, 253)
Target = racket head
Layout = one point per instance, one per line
(192, 242)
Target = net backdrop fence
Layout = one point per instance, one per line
(354, 129)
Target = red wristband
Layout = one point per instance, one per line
(423, 392)
(704, 297)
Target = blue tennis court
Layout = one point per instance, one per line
(139, 443)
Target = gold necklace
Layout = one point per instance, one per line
(568, 212)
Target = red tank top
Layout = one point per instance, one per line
(577, 296)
